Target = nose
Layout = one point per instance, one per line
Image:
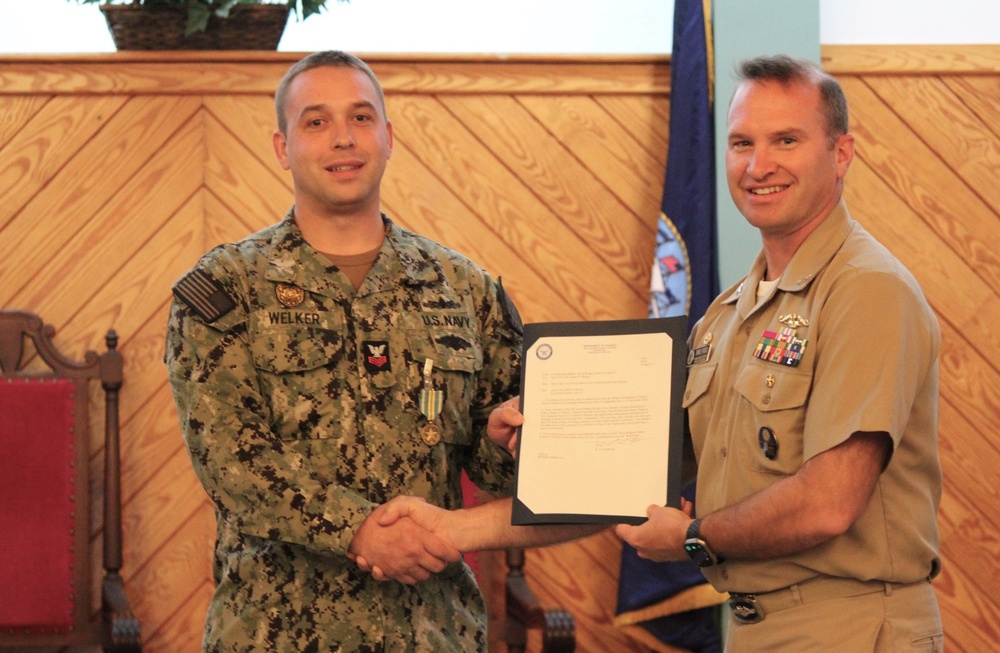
(760, 163)
(342, 136)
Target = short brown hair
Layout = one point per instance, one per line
(785, 70)
(332, 58)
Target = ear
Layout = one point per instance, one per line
(280, 148)
(388, 129)
(844, 153)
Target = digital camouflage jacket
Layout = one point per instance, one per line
(305, 404)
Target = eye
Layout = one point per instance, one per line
(362, 117)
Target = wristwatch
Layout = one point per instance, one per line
(697, 548)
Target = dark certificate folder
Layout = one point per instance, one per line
(604, 425)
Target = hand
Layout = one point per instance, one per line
(401, 549)
(661, 538)
(503, 423)
(422, 513)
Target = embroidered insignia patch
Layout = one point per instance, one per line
(376, 354)
(781, 347)
(204, 295)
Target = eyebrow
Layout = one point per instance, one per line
(321, 107)
(781, 133)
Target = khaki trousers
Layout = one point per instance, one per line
(894, 619)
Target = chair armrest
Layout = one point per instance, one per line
(525, 611)
(122, 624)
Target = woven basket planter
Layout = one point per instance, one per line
(249, 27)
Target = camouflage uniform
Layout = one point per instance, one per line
(299, 400)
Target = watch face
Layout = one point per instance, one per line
(699, 554)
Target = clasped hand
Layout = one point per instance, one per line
(398, 542)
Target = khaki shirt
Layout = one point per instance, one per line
(858, 352)
(300, 402)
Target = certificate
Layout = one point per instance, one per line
(603, 423)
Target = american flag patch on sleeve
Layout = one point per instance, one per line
(204, 295)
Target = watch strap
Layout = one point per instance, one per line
(693, 531)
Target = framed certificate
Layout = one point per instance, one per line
(603, 424)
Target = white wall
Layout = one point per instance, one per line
(516, 26)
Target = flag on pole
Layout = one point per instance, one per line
(669, 605)
(685, 267)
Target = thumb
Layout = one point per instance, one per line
(396, 509)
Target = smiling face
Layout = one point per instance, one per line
(784, 173)
(336, 143)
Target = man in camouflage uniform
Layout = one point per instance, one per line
(324, 366)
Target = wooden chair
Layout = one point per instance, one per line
(47, 592)
(525, 612)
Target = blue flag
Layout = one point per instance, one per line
(670, 602)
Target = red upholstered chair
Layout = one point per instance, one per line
(47, 591)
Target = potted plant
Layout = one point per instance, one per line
(201, 24)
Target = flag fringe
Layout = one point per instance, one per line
(693, 598)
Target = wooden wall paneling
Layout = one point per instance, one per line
(954, 59)
(917, 174)
(222, 225)
(118, 231)
(950, 128)
(512, 210)
(46, 143)
(970, 616)
(174, 588)
(418, 200)
(15, 112)
(251, 120)
(982, 95)
(240, 180)
(66, 205)
(598, 141)
(956, 286)
(169, 496)
(536, 75)
(645, 117)
(145, 73)
(572, 192)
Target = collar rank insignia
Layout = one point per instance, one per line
(781, 347)
(290, 296)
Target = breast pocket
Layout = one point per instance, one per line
(456, 359)
(297, 365)
(773, 409)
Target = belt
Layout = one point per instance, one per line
(751, 608)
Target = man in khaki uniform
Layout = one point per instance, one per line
(323, 366)
(812, 400)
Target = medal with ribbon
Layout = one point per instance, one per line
(431, 402)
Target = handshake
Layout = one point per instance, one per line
(408, 539)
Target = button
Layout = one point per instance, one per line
(766, 400)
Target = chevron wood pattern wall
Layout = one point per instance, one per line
(117, 172)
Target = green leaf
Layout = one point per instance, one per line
(198, 16)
